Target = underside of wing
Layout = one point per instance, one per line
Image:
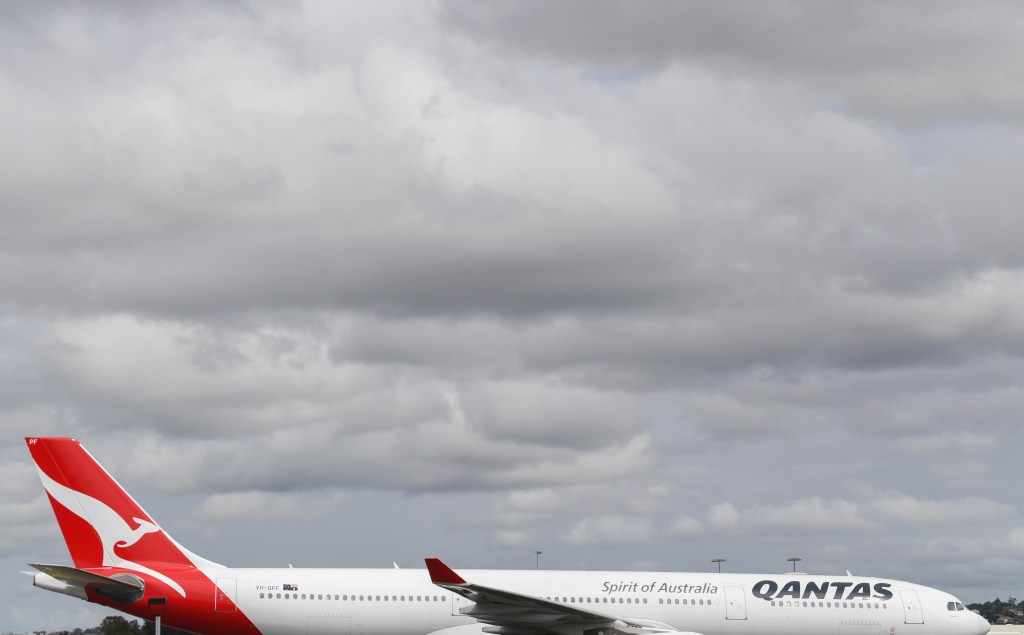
(510, 613)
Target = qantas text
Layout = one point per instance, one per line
(769, 590)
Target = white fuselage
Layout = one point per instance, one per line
(405, 602)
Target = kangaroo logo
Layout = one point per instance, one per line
(145, 527)
(111, 528)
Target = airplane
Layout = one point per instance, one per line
(124, 560)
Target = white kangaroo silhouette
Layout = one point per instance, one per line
(112, 529)
(145, 527)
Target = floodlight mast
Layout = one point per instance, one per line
(157, 606)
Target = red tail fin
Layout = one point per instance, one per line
(102, 525)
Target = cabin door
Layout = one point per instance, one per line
(735, 605)
(224, 595)
(912, 612)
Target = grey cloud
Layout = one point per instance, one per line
(584, 278)
(434, 456)
(188, 253)
(900, 61)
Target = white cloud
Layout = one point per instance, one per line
(221, 508)
(951, 444)
(808, 514)
(971, 510)
(512, 538)
(686, 527)
(723, 517)
(873, 512)
(610, 530)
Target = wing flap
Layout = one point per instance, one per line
(510, 613)
(508, 608)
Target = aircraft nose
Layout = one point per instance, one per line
(983, 626)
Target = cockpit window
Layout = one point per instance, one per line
(960, 607)
(951, 606)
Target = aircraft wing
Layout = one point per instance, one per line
(510, 613)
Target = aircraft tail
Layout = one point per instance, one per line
(102, 524)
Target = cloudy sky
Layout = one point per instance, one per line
(639, 286)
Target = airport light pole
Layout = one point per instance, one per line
(538, 559)
(719, 561)
(157, 606)
(794, 561)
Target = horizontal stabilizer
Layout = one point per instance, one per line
(124, 588)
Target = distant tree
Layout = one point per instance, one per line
(997, 610)
(117, 625)
(149, 628)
